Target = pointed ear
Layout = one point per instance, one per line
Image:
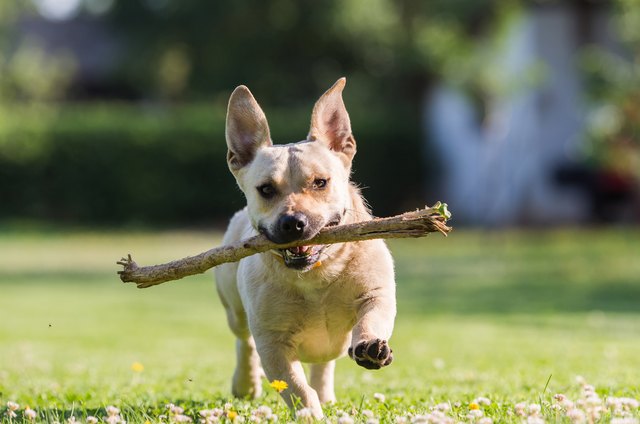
(330, 122)
(246, 130)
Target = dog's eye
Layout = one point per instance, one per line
(267, 191)
(319, 183)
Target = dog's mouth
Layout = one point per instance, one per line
(301, 257)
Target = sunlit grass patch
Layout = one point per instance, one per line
(490, 327)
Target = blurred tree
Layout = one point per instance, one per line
(613, 83)
(290, 50)
(27, 72)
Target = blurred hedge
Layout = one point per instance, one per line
(120, 163)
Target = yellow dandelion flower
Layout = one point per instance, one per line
(232, 415)
(137, 367)
(279, 385)
(474, 406)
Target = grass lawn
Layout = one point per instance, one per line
(512, 317)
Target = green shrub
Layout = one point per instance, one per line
(122, 163)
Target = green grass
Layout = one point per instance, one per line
(511, 316)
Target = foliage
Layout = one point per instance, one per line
(613, 83)
(123, 163)
(289, 50)
(511, 317)
(28, 73)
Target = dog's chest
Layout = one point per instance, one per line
(325, 325)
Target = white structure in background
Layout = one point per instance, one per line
(501, 172)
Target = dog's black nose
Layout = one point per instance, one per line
(291, 227)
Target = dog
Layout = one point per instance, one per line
(309, 304)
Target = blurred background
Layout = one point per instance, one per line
(513, 112)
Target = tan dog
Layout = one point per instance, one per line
(311, 303)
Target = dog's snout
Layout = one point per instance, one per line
(291, 227)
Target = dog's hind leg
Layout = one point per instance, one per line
(247, 377)
(322, 380)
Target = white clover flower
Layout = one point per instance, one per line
(444, 407)
(71, 420)
(534, 420)
(623, 403)
(92, 420)
(12, 406)
(588, 388)
(534, 409)
(402, 420)
(372, 421)
(227, 406)
(176, 410)
(345, 419)
(520, 408)
(576, 416)
(482, 401)
(559, 397)
(112, 410)
(485, 420)
(475, 413)
(113, 419)
(624, 420)
(30, 414)
(379, 397)
(263, 411)
(304, 414)
(630, 403)
(367, 413)
(438, 415)
(593, 400)
(180, 418)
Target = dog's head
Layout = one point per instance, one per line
(292, 190)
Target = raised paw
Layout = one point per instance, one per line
(372, 354)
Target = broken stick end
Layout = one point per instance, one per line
(129, 266)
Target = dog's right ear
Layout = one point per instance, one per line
(246, 129)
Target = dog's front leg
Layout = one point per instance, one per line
(374, 325)
(279, 363)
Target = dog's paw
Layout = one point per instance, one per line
(372, 354)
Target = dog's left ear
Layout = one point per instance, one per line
(330, 122)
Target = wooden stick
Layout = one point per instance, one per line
(411, 224)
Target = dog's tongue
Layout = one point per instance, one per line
(299, 250)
